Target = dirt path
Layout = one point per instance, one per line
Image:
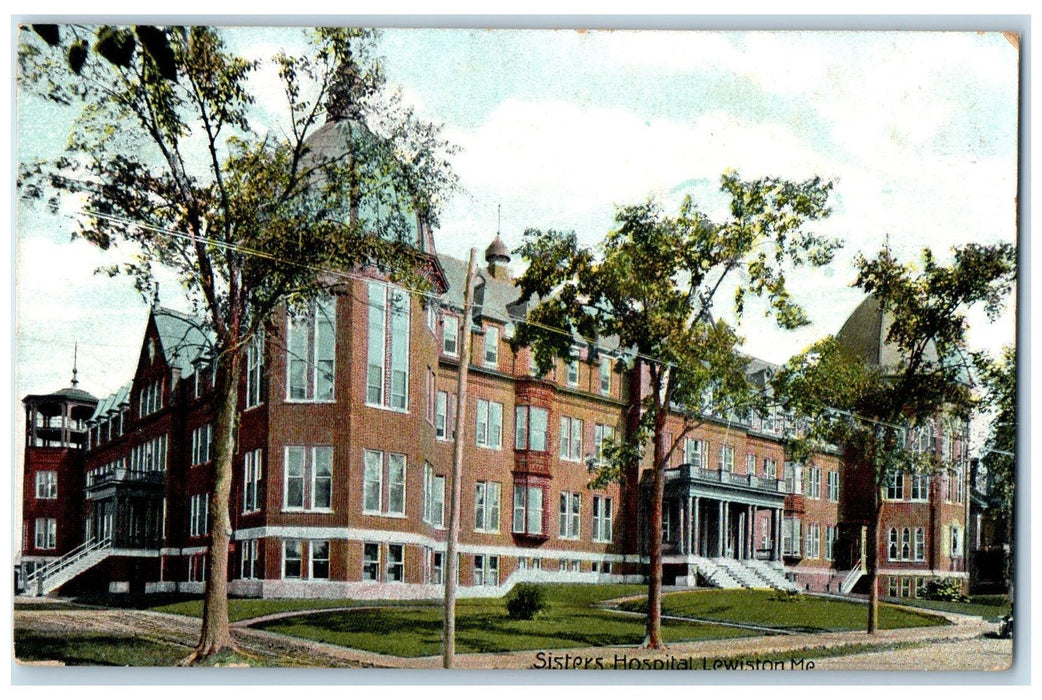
(962, 645)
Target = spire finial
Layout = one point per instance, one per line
(499, 208)
(155, 296)
(75, 353)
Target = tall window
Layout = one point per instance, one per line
(830, 540)
(450, 335)
(906, 544)
(433, 497)
(792, 529)
(486, 506)
(319, 559)
(383, 487)
(793, 477)
(395, 563)
(433, 568)
(726, 458)
(491, 346)
(920, 486)
(249, 563)
(292, 558)
(150, 399)
(570, 512)
(750, 463)
(198, 509)
(895, 487)
(695, 452)
(202, 439)
(834, 486)
(813, 541)
(528, 509)
(441, 416)
(150, 456)
(486, 570)
(311, 346)
(489, 424)
(370, 561)
(255, 371)
(46, 533)
(387, 373)
(603, 435)
(605, 384)
(814, 482)
(920, 544)
(308, 482)
(251, 481)
(770, 468)
(572, 370)
(893, 548)
(955, 548)
(530, 428)
(46, 485)
(571, 439)
(602, 514)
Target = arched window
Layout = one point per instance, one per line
(906, 544)
(893, 544)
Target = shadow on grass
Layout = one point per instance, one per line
(95, 650)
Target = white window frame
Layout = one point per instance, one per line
(441, 416)
(491, 349)
(46, 485)
(450, 338)
(255, 371)
(833, 486)
(387, 348)
(487, 502)
(895, 487)
(524, 435)
(371, 565)
(486, 570)
(920, 487)
(433, 497)
(46, 533)
(299, 558)
(395, 570)
(202, 445)
(602, 434)
(727, 458)
(310, 478)
(311, 353)
(569, 515)
(695, 452)
(529, 506)
(248, 559)
(313, 559)
(571, 369)
(252, 479)
(198, 514)
(814, 482)
(813, 550)
(604, 385)
(384, 478)
(571, 439)
(489, 425)
(602, 519)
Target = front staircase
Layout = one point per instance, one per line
(52, 575)
(724, 572)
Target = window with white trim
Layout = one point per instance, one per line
(249, 560)
(433, 497)
(308, 478)
(149, 456)
(605, 375)
(528, 509)
(383, 487)
(489, 429)
(813, 482)
(770, 468)
(433, 569)
(370, 561)
(46, 533)
(602, 515)
(150, 399)
(441, 416)
(47, 485)
(830, 541)
(198, 509)
(920, 486)
(920, 544)
(571, 366)
(491, 355)
(603, 435)
(695, 452)
(727, 458)
(750, 463)
(792, 530)
(893, 552)
(255, 371)
(833, 479)
(319, 559)
(450, 335)
(310, 351)
(571, 444)
(252, 478)
(395, 563)
(486, 570)
(197, 568)
(387, 373)
(486, 506)
(906, 544)
(793, 477)
(292, 558)
(202, 442)
(430, 403)
(895, 487)
(570, 513)
(813, 541)
(955, 541)
(530, 428)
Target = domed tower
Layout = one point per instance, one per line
(55, 440)
(498, 258)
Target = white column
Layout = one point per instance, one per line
(681, 526)
(720, 530)
(696, 529)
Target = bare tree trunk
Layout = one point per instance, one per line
(872, 553)
(449, 628)
(216, 633)
(658, 483)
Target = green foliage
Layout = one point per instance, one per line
(525, 601)
(947, 589)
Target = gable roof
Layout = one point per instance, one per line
(184, 339)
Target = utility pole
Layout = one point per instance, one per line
(455, 487)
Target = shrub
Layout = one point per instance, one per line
(949, 589)
(525, 601)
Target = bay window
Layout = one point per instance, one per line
(530, 428)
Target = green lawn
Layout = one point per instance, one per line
(987, 606)
(83, 649)
(248, 608)
(483, 625)
(795, 612)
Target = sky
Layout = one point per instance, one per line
(917, 131)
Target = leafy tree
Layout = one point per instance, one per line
(168, 161)
(652, 286)
(999, 380)
(878, 409)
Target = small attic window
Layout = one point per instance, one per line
(151, 350)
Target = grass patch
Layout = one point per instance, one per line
(989, 607)
(794, 612)
(95, 649)
(240, 609)
(483, 625)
